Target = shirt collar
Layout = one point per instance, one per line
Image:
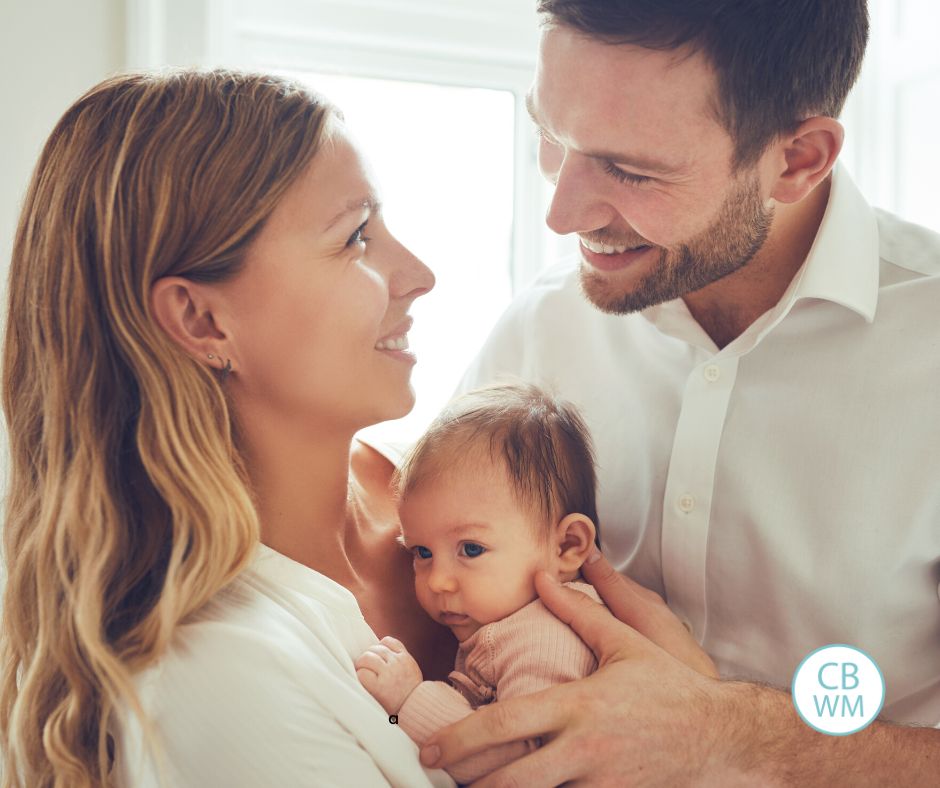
(843, 264)
(842, 267)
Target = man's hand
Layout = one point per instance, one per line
(643, 610)
(645, 717)
(389, 673)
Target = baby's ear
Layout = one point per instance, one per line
(574, 536)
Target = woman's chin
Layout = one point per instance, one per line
(397, 408)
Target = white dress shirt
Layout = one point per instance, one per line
(260, 690)
(782, 493)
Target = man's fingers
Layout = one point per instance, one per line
(626, 598)
(647, 613)
(604, 634)
(510, 720)
(548, 766)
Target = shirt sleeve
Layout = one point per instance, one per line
(433, 705)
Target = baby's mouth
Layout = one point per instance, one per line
(452, 619)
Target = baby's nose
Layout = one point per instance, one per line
(442, 581)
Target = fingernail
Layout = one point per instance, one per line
(594, 557)
(430, 755)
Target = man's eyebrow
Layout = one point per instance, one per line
(369, 202)
(646, 163)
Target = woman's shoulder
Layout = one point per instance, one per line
(277, 613)
(259, 681)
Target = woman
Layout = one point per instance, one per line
(205, 306)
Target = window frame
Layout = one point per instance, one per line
(445, 42)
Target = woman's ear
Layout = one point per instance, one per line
(805, 157)
(574, 537)
(181, 309)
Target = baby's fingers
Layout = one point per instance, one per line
(370, 661)
(394, 644)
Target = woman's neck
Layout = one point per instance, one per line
(301, 487)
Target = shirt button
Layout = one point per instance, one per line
(712, 372)
(687, 503)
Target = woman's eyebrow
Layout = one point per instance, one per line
(369, 202)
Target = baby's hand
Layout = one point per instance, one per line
(389, 672)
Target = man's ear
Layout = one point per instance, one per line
(805, 157)
(574, 536)
(181, 308)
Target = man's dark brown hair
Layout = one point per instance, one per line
(778, 62)
(540, 440)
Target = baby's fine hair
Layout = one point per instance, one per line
(541, 441)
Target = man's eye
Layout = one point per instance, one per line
(472, 549)
(422, 552)
(625, 177)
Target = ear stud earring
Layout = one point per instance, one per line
(226, 369)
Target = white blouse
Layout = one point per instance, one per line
(260, 690)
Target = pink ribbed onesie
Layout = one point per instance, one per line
(518, 655)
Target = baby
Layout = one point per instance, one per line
(501, 486)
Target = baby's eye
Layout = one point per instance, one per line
(472, 549)
(422, 552)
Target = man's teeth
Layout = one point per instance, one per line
(393, 343)
(607, 248)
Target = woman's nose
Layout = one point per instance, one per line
(410, 277)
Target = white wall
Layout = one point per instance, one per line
(51, 51)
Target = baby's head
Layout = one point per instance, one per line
(500, 486)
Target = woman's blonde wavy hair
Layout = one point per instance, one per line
(129, 505)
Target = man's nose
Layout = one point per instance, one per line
(578, 204)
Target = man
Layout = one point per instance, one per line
(757, 353)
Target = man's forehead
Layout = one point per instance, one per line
(619, 82)
(604, 99)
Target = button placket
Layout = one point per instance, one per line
(689, 488)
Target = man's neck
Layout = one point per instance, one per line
(726, 308)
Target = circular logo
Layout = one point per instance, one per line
(838, 690)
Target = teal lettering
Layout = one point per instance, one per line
(829, 704)
(846, 675)
(858, 706)
(822, 682)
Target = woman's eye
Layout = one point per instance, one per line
(358, 237)
(625, 177)
(472, 549)
(422, 552)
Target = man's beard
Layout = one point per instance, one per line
(727, 245)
